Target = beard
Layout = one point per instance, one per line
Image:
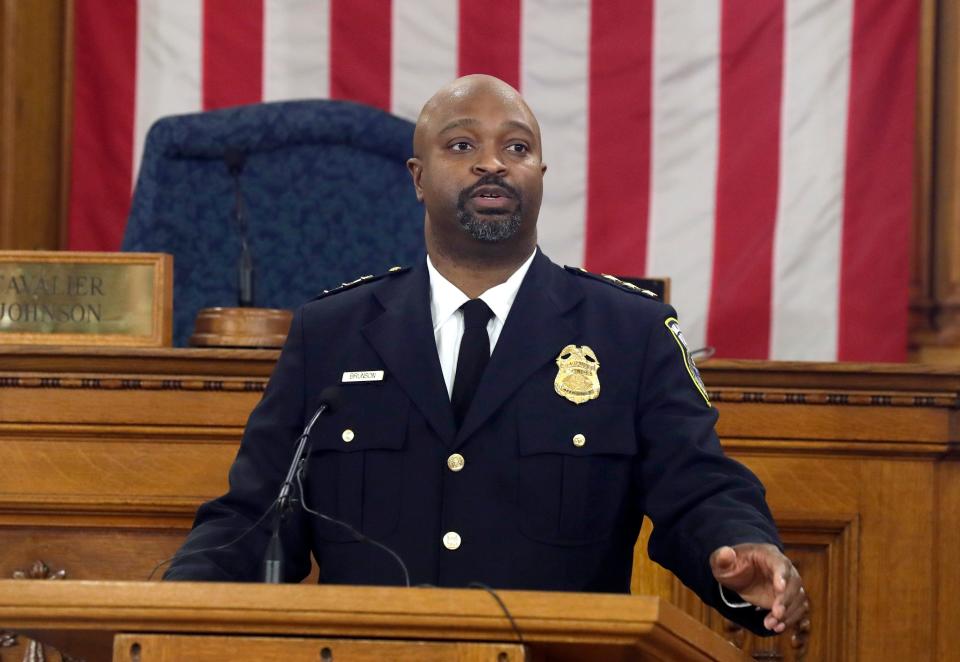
(480, 224)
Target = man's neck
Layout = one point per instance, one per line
(474, 275)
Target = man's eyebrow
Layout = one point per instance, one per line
(517, 124)
(466, 121)
(470, 121)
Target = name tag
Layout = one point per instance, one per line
(363, 376)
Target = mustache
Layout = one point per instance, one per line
(489, 180)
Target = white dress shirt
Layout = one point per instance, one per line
(445, 302)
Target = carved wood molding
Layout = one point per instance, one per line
(154, 512)
(119, 433)
(825, 549)
(175, 362)
(865, 448)
(134, 384)
(723, 394)
(870, 399)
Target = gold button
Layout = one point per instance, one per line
(579, 440)
(347, 435)
(455, 462)
(451, 540)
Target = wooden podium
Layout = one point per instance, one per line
(106, 453)
(200, 622)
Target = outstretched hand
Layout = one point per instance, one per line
(764, 577)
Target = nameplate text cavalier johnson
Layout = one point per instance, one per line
(80, 298)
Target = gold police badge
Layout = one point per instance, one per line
(577, 379)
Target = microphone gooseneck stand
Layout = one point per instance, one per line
(273, 559)
(236, 160)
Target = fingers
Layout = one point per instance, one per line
(790, 603)
(789, 613)
(798, 610)
(723, 561)
(770, 622)
(790, 587)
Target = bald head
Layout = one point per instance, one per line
(438, 113)
(478, 169)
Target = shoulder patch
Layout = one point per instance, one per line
(674, 326)
(612, 280)
(392, 271)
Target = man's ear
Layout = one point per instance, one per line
(543, 169)
(416, 171)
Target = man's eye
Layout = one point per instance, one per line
(460, 146)
(518, 148)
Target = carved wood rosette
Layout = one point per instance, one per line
(34, 650)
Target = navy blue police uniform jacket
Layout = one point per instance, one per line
(533, 510)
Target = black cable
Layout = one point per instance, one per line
(359, 537)
(177, 557)
(503, 606)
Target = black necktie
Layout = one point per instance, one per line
(473, 357)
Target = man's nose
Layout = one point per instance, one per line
(488, 161)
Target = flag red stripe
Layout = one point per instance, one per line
(618, 170)
(105, 34)
(751, 72)
(232, 52)
(875, 252)
(360, 33)
(489, 39)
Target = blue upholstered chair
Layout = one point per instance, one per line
(326, 191)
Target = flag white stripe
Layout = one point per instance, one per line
(554, 78)
(169, 70)
(554, 47)
(806, 266)
(424, 52)
(683, 152)
(296, 49)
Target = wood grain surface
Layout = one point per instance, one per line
(106, 453)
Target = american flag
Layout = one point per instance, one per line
(757, 152)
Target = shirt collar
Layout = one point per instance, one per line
(446, 298)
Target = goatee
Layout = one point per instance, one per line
(490, 229)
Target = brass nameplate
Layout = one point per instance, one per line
(80, 298)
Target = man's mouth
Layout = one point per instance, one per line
(492, 197)
(491, 192)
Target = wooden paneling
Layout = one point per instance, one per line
(921, 276)
(555, 626)
(35, 57)
(861, 465)
(936, 337)
(945, 567)
(106, 453)
(174, 648)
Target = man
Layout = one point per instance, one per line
(503, 420)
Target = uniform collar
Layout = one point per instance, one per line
(446, 298)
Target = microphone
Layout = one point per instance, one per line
(236, 160)
(273, 560)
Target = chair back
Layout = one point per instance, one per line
(326, 197)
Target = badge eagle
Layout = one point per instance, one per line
(577, 379)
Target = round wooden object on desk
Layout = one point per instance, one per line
(241, 327)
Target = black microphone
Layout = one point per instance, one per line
(273, 560)
(236, 160)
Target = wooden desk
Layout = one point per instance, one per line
(253, 622)
(106, 453)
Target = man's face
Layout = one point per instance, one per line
(479, 169)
